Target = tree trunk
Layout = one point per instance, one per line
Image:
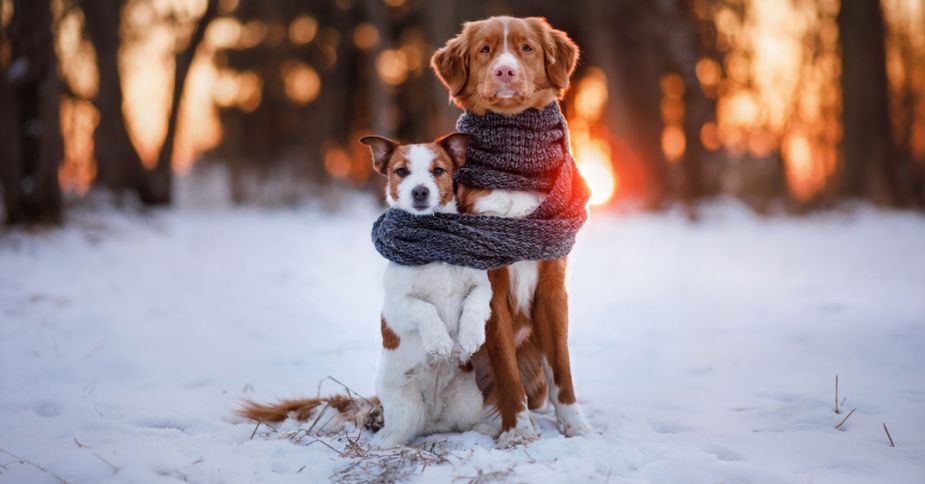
(29, 116)
(682, 51)
(161, 178)
(119, 166)
(867, 145)
(622, 42)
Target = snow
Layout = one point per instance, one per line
(701, 352)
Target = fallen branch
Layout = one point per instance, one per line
(845, 419)
(888, 435)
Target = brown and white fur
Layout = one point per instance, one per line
(507, 65)
(433, 316)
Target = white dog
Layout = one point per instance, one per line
(434, 315)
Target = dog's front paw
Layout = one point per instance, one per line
(522, 433)
(438, 346)
(571, 420)
(471, 337)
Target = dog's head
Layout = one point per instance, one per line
(506, 64)
(420, 176)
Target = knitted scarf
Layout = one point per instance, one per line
(526, 151)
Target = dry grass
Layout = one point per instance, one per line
(836, 395)
(888, 435)
(20, 460)
(388, 465)
(482, 477)
(112, 467)
(363, 463)
(845, 419)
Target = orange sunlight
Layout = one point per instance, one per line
(592, 154)
(593, 158)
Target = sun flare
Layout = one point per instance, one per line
(592, 154)
(593, 159)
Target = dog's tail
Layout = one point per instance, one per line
(331, 412)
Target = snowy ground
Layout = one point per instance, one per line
(701, 353)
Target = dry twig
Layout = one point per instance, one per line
(483, 477)
(888, 435)
(28, 462)
(845, 419)
(350, 392)
(115, 469)
(836, 395)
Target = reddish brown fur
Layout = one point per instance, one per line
(399, 159)
(509, 373)
(279, 411)
(364, 413)
(445, 181)
(390, 340)
(464, 69)
(389, 156)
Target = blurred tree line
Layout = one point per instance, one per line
(686, 101)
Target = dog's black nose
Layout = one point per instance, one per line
(420, 193)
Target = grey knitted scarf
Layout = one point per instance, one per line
(527, 151)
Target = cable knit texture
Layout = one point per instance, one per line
(526, 151)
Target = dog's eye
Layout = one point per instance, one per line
(486, 49)
(438, 171)
(526, 48)
(402, 172)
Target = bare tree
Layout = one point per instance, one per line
(30, 92)
(160, 179)
(119, 165)
(683, 49)
(867, 146)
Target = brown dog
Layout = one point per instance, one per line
(507, 65)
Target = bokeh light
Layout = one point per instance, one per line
(302, 82)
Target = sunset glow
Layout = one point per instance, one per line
(594, 164)
(593, 155)
(775, 84)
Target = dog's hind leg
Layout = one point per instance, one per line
(462, 405)
(404, 413)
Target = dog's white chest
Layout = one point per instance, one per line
(509, 203)
(524, 275)
(443, 285)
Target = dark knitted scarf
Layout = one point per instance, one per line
(527, 151)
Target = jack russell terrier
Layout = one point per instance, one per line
(433, 317)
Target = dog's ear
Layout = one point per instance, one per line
(381, 149)
(560, 52)
(455, 145)
(451, 62)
